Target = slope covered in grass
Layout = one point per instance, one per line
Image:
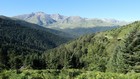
(117, 50)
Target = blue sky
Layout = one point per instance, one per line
(128, 10)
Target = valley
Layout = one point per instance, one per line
(30, 51)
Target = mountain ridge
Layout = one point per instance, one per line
(56, 20)
(73, 25)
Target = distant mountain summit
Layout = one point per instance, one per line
(57, 17)
(39, 18)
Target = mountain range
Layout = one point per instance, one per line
(62, 22)
(69, 24)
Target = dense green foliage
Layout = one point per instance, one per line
(113, 51)
(65, 74)
(22, 42)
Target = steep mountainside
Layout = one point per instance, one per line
(13, 31)
(22, 38)
(117, 50)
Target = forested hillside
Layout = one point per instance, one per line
(20, 42)
(117, 50)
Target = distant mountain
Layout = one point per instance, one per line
(40, 18)
(85, 31)
(63, 23)
(60, 21)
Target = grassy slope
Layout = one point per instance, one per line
(94, 52)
